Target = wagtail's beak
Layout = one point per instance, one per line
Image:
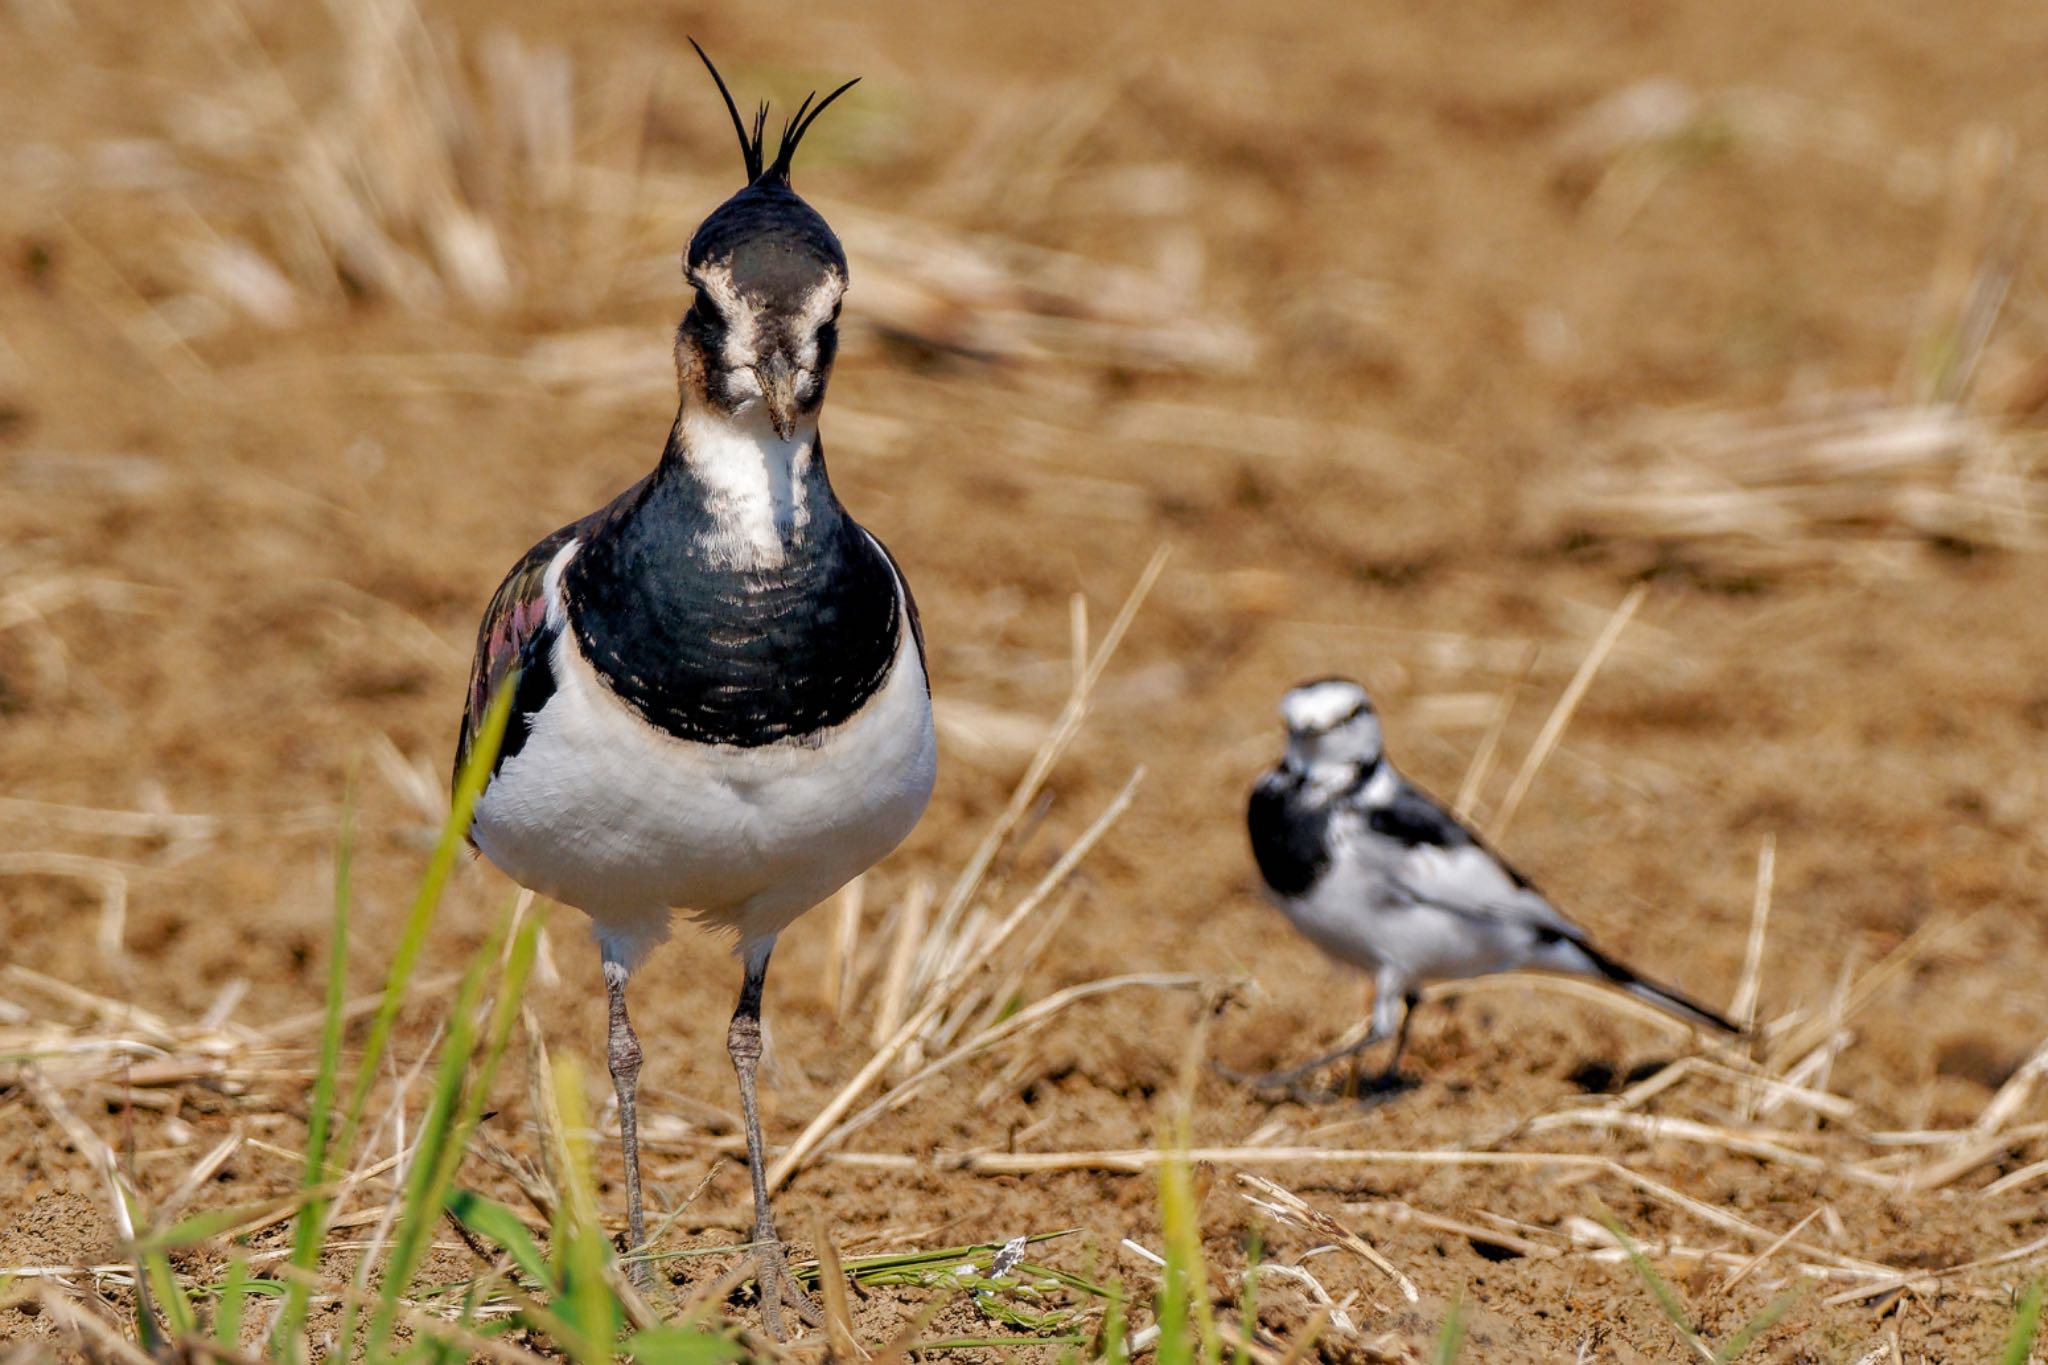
(778, 391)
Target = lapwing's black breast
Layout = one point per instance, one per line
(1289, 833)
(723, 655)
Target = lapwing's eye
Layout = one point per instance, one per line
(705, 310)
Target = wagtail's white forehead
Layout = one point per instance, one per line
(1319, 707)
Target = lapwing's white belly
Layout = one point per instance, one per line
(605, 812)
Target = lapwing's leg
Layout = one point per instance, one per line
(743, 1041)
(623, 1053)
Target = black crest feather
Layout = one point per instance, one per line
(753, 145)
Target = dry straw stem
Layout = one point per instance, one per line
(1816, 1032)
(945, 992)
(843, 1344)
(1926, 1281)
(1970, 1150)
(1561, 714)
(1973, 268)
(1317, 1294)
(1847, 483)
(1784, 1239)
(1402, 1214)
(1822, 1102)
(941, 943)
(836, 977)
(422, 1320)
(1032, 1017)
(1483, 758)
(1290, 1207)
(119, 824)
(1603, 997)
(110, 877)
(2014, 1094)
(356, 1008)
(910, 916)
(1742, 1009)
(1134, 1161)
(1657, 1127)
(2019, 1179)
(87, 1326)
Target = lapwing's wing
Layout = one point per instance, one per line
(909, 603)
(515, 634)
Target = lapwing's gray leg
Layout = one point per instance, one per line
(743, 1041)
(624, 1056)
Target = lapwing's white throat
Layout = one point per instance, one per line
(721, 703)
(1372, 870)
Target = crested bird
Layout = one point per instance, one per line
(719, 694)
(1376, 873)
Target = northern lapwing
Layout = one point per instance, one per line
(721, 704)
(1377, 874)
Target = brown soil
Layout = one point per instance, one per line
(237, 568)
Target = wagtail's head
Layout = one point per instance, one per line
(1330, 725)
(769, 276)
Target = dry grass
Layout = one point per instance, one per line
(1852, 481)
(414, 224)
(1723, 1099)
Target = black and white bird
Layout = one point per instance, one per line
(721, 703)
(1372, 870)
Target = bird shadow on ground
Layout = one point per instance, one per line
(1366, 1089)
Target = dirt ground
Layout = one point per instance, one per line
(1359, 309)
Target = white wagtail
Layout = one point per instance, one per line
(721, 702)
(1372, 870)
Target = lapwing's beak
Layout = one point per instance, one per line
(778, 391)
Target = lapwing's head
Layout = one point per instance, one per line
(769, 276)
(1330, 725)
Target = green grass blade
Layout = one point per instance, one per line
(412, 939)
(157, 1286)
(1733, 1348)
(234, 1293)
(1187, 1324)
(1114, 1346)
(420, 1206)
(582, 1245)
(170, 1295)
(310, 1233)
(490, 1219)
(2026, 1325)
(681, 1346)
(441, 1154)
(1248, 1304)
(309, 1230)
(1450, 1339)
(1666, 1298)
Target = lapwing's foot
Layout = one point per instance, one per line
(778, 1288)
